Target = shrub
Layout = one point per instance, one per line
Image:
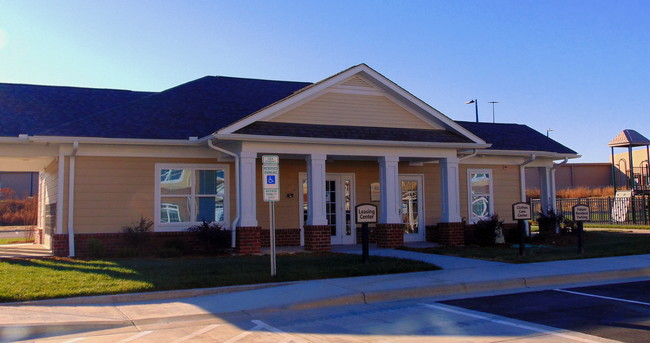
(213, 237)
(486, 230)
(136, 235)
(95, 248)
(548, 222)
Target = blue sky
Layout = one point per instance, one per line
(580, 68)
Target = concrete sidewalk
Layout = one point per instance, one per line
(460, 277)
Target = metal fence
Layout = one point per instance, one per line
(621, 210)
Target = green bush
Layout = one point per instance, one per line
(213, 237)
(486, 230)
(136, 235)
(548, 222)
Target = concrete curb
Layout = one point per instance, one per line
(147, 296)
(31, 331)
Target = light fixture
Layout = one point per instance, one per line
(475, 102)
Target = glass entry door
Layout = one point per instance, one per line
(412, 205)
(339, 203)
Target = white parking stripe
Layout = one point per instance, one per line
(503, 322)
(603, 297)
(197, 333)
(243, 334)
(133, 338)
(287, 337)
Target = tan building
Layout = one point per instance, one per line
(194, 152)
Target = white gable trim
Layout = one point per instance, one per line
(392, 89)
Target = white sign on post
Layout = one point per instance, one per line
(521, 211)
(271, 178)
(580, 213)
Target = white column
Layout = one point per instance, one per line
(390, 190)
(247, 182)
(316, 214)
(552, 187)
(450, 190)
(545, 188)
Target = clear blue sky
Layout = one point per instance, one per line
(581, 68)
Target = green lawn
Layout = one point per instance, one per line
(597, 244)
(30, 279)
(15, 240)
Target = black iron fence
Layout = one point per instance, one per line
(621, 210)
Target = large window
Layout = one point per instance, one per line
(189, 194)
(481, 200)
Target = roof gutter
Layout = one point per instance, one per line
(474, 153)
(237, 188)
(101, 140)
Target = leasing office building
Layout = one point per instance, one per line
(193, 152)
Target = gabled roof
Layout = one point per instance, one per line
(31, 109)
(629, 138)
(515, 137)
(425, 110)
(193, 109)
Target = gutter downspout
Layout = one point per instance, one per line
(474, 153)
(237, 189)
(522, 185)
(73, 156)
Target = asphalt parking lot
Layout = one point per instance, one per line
(618, 311)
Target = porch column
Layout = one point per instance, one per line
(316, 231)
(545, 189)
(390, 229)
(247, 232)
(451, 229)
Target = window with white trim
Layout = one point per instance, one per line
(480, 198)
(187, 194)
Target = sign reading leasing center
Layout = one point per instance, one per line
(366, 213)
(271, 177)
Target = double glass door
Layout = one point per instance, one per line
(339, 206)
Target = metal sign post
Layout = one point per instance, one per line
(271, 187)
(521, 212)
(365, 213)
(581, 215)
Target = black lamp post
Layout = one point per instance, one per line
(475, 102)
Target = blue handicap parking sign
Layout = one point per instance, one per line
(270, 179)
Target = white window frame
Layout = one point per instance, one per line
(158, 226)
(470, 214)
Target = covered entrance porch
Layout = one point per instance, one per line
(412, 189)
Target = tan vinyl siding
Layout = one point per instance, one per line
(112, 192)
(506, 183)
(357, 81)
(352, 110)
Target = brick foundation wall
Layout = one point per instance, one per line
(431, 233)
(390, 235)
(451, 234)
(318, 238)
(372, 234)
(38, 236)
(115, 245)
(248, 239)
(283, 238)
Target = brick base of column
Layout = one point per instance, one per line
(451, 234)
(60, 245)
(390, 236)
(248, 239)
(38, 235)
(318, 238)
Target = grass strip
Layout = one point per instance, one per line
(4, 241)
(596, 243)
(32, 279)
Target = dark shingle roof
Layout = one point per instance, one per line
(34, 109)
(352, 132)
(514, 137)
(194, 109)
